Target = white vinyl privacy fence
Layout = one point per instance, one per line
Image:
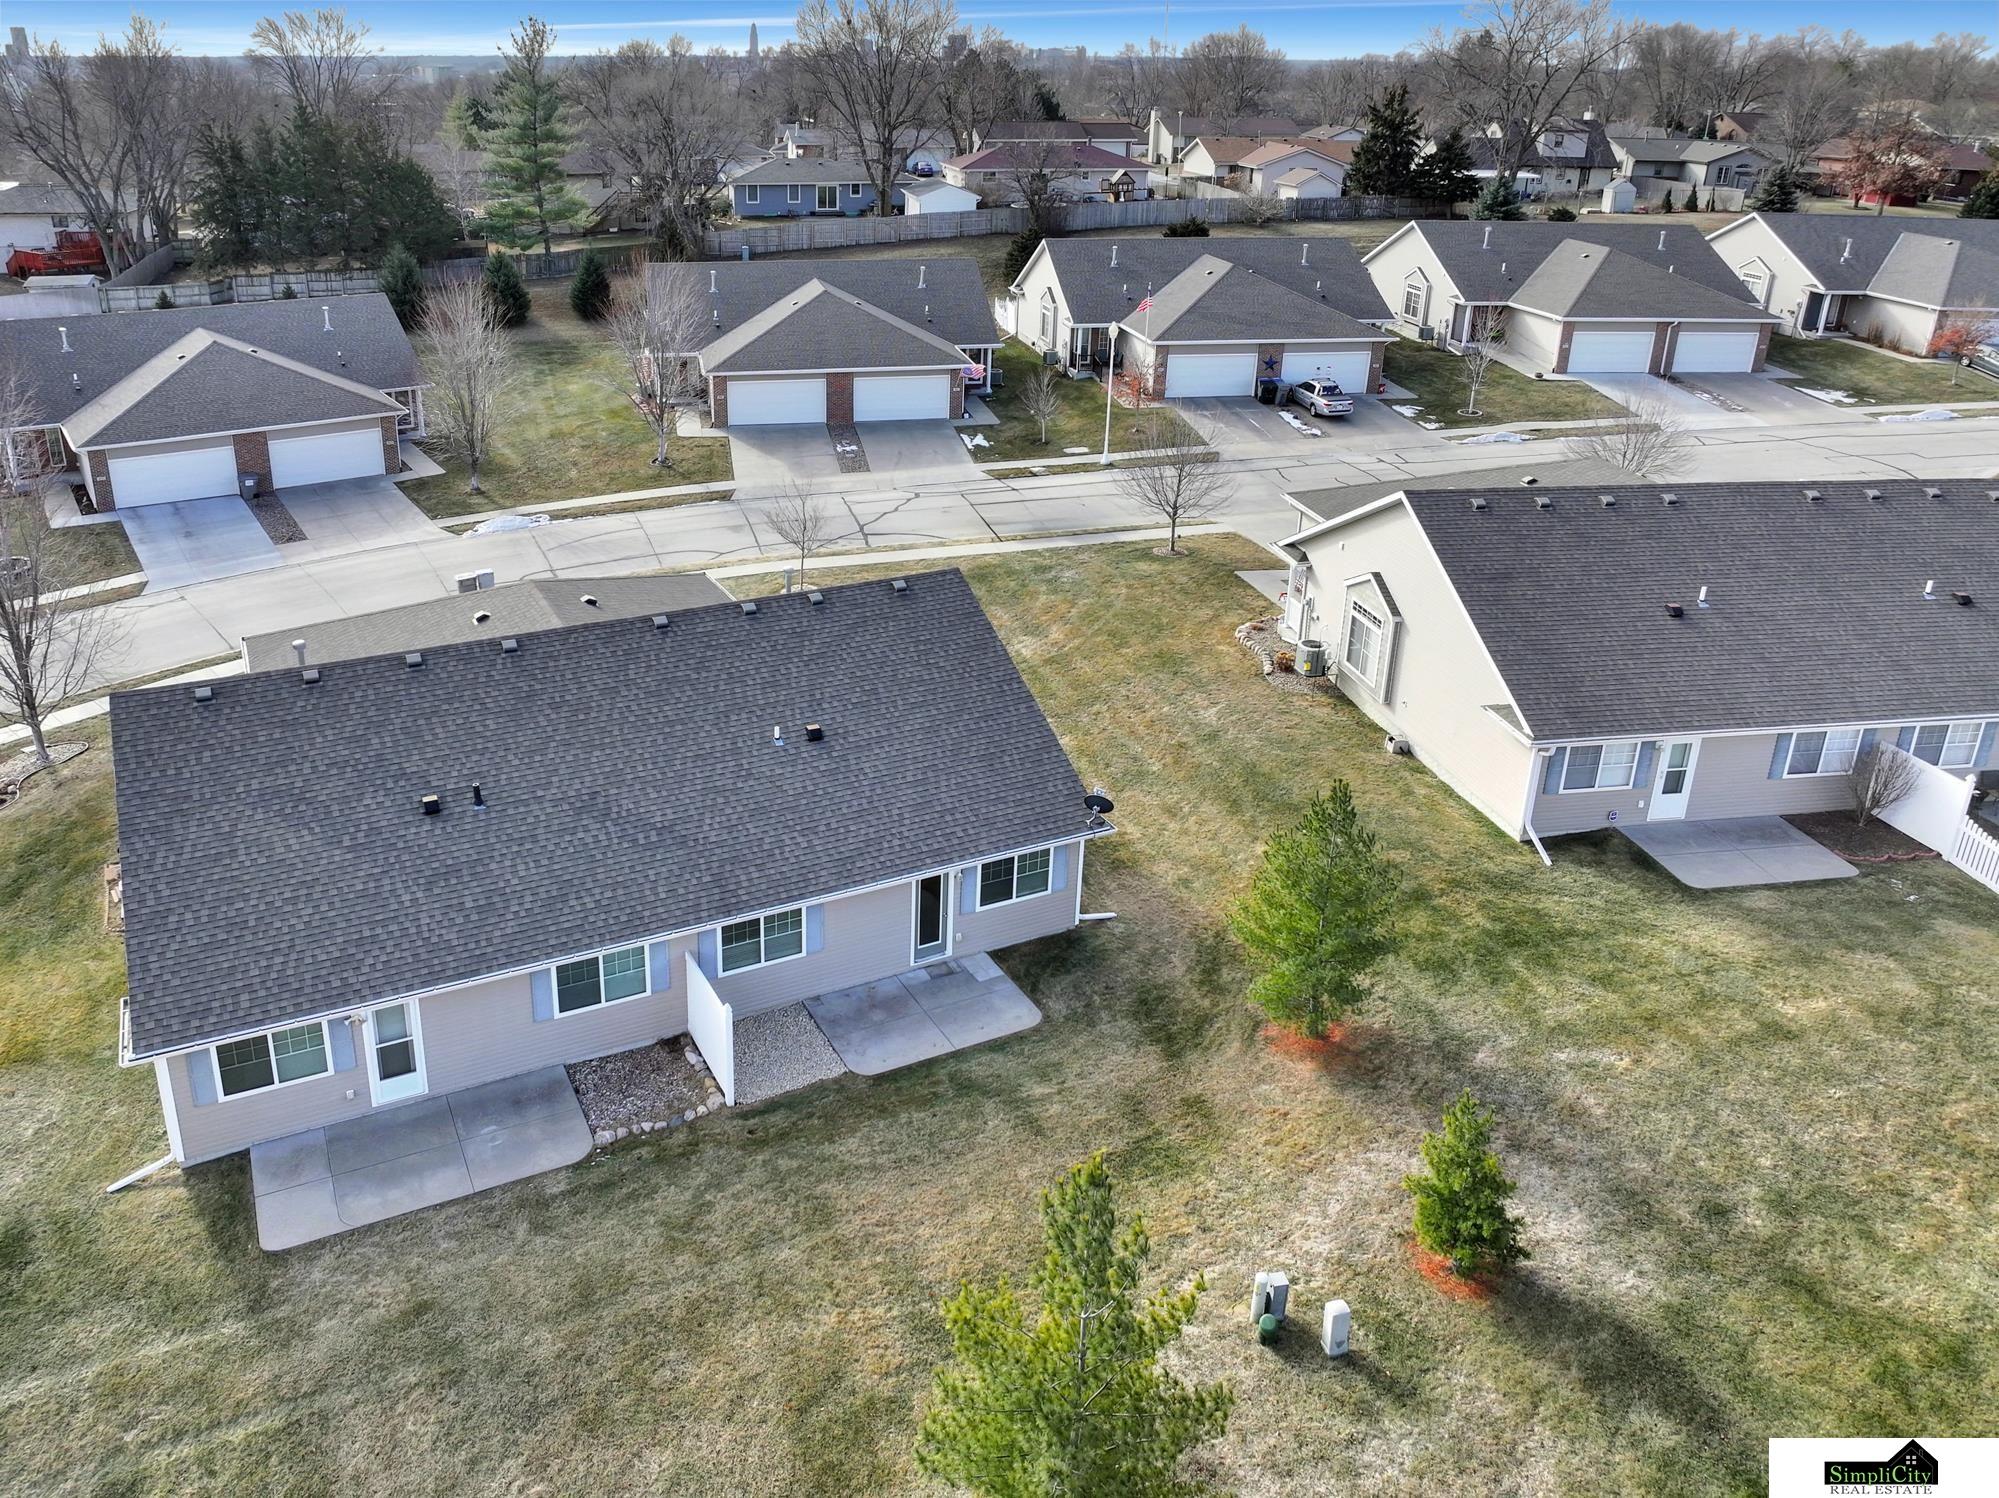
(712, 1023)
(1937, 813)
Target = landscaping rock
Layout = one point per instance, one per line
(627, 1088)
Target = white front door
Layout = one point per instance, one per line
(395, 1052)
(1610, 353)
(323, 457)
(931, 937)
(1676, 780)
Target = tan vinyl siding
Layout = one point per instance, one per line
(1534, 338)
(866, 937)
(1018, 920)
(1896, 324)
(1585, 811)
(231, 1124)
(477, 1034)
(1390, 267)
(1732, 779)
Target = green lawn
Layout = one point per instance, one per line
(1436, 380)
(1877, 379)
(1756, 1137)
(573, 435)
(1080, 422)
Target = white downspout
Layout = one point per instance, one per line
(1541, 758)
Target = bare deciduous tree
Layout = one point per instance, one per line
(1132, 82)
(1259, 208)
(474, 370)
(1041, 399)
(1817, 95)
(802, 522)
(1183, 485)
(877, 64)
(321, 62)
(657, 327)
(983, 84)
(1878, 779)
(1654, 443)
(62, 110)
(1227, 74)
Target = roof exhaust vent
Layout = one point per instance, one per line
(1609, 501)
(510, 646)
(1962, 600)
(1702, 600)
(1873, 494)
(589, 601)
(326, 312)
(1543, 502)
(660, 621)
(309, 676)
(1932, 491)
(814, 597)
(482, 617)
(433, 806)
(1675, 611)
(204, 694)
(1530, 481)
(413, 659)
(899, 585)
(1812, 496)
(298, 649)
(1478, 503)
(1669, 500)
(1930, 590)
(64, 331)
(814, 734)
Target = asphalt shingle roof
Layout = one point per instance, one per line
(38, 197)
(276, 864)
(1870, 254)
(1040, 156)
(1491, 267)
(367, 344)
(1212, 301)
(1321, 268)
(1191, 126)
(207, 383)
(510, 609)
(1579, 278)
(1596, 150)
(1330, 504)
(819, 327)
(945, 296)
(1646, 148)
(1816, 612)
(803, 169)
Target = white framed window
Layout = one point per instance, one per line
(853, 189)
(1600, 767)
(752, 193)
(828, 196)
(1831, 752)
(793, 193)
(1948, 746)
(272, 1059)
(603, 979)
(1363, 648)
(1048, 322)
(762, 940)
(1414, 295)
(1014, 877)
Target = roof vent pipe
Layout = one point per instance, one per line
(711, 281)
(1930, 589)
(64, 331)
(478, 796)
(298, 649)
(1702, 600)
(326, 311)
(1662, 239)
(777, 735)
(921, 271)
(1113, 257)
(1305, 254)
(1486, 243)
(1845, 250)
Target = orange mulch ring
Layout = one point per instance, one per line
(1332, 1046)
(1436, 1268)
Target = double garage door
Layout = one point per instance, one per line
(1693, 353)
(803, 402)
(205, 472)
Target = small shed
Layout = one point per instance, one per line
(1619, 196)
(938, 197)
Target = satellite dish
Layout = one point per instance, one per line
(1098, 804)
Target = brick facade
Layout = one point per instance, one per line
(1663, 340)
(253, 456)
(839, 399)
(1374, 367)
(957, 394)
(1762, 345)
(100, 481)
(392, 453)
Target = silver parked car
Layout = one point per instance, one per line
(1322, 397)
(1984, 359)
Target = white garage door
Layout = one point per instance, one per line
(1210, 374)
(769, 403)
(902, 397)
(1608, 353)
(1345, 366)
(160, 478)
(326, 456)
(1715, 353)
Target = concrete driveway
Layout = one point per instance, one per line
(353, 515)
(768, 458)
(1633, 391)
(194, 540)
(1770, 401)
(1238, 422)
(912, 450)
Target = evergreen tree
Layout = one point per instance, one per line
(1021, 249)
(1984, 199)
(1318, 915)
(288, 292)
(1666, 203)
(1561, 213)
(1445, 174)
(466, 120)
(402, 283)
(1461, 1199)
(1777, 192)
(528, 140)
(1385, 158)
(1497, 200)
(224, 200)
(506, 290)
(1067, 1398)
(590, 288)
(163, 303)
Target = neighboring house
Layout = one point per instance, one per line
(1226, 312)
(1120, 137)
(1579, 298)
(1304, 182)
(1964, 166)
(486, 613)
(938, 196)
(1344, 133)
(1886, 280)
(1216, 155)
(1169, 133)
(353, 886)
(1739, 124)
(805, 342)
(920, 146)
(1567, 659)
(1657, 167)
(1266, 165)
(1570, 156)
(152, 407)
(33, 213)
(1075, 169)
(802, 186)
(801, 139)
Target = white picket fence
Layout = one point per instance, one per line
(1937, 813)
(1977, 853)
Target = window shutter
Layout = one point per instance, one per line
(1641, 778)
(1988, 742)
(201, 1076)
(1551, 778)
(815, 927)
(1905, 737)
(1058, 869)
(1780, 757)
(708, 952)
(659, 966)
(968, 890)
(541, 987)
(340, 1040)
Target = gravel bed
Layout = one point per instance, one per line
(1261, 639)
(779, 1051)
(652, 1083)
(279, 523)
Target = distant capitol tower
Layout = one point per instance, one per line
(752, 54)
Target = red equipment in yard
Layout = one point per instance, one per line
(76, 252)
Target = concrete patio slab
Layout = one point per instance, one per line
(879, 1027)
(319, 1182)
(352, 515)
(194, 540)
(1736, 852)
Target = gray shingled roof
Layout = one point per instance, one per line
(510, 609)
(276, 865)
(39, 197)
(1816, 613)
(944, 295)
(367, 344)
(207, 383)
(818, 327)
(1330, 504)
(803, 169)
(1938, 272)
(1492, 267)
(1844, 254)
(1212, 300)
(1321, 268)
(1678, 149)
(1579, 278)
(1596, 149)
(1194, 125)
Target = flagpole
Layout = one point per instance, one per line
(1110, 380)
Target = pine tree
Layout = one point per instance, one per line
(590, 288)
(1068, 1398)
(1666, 203)
(1984, 199)
(466, 120)
(1445, 174)
(163, 303)
(1461, 1199)
(1318, 915)
(507, 291)
(1385, 158)
(1021, 249)
(1777, 192)
(528, 141)
(401, 282)
(224, 201)
(1497, 200)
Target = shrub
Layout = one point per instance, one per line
(1561, 215)
(1189, 228)
(506, 290)
(1497, 200)
(1461, 1199)
(590, 290)
(163, 303)
(1984, 199)
(288, 292)
(401, 281)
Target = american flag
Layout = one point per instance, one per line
(1145, 306)
(975, 371)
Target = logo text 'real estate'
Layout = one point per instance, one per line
(1910, 1468)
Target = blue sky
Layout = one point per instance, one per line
(1304, 28)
